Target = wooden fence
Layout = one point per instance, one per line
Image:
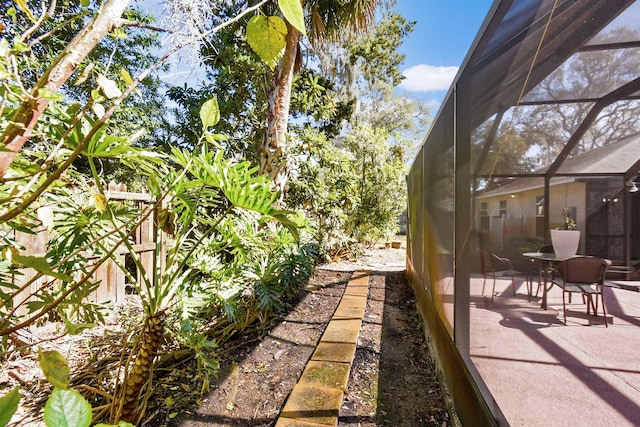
(501, 228)
(112, 279)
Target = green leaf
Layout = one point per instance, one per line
(22, 4)
(283, 219)
(154, 186)
(46, 93)
(39, 264)
(96, 96)
(100, 201)
(215, 137)
(9, 405)
(77, 329)
(4, 74)
(210, 113)
(85, 74)
(292, 10)
(266, 36)
(20, 46)
(126, 76)
(118, 33)
(67, 408)
(55, 368)
(84, 3)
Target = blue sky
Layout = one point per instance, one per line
(442, 36)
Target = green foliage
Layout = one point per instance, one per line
(354, 193)
(55, 368)
(382, 188)
(266, 36)
(204, 349)
(376, 53)
(236, 74)
(247, 257)
(315, 102)
(57, 184)
(292, 11)
(210, 113)
(9, 405)
(67, 408)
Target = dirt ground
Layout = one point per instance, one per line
(392, 382)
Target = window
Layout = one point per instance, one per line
(539, 205)
(540, 230)
(484, 209)
(503, 208)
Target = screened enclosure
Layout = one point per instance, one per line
(540, 125)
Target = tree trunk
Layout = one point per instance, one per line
(274, 145)
(28, 113)
(140, 372)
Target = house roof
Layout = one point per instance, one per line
(613, 158)
(610, 159)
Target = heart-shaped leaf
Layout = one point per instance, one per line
(266, 36)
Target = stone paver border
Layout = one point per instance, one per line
(316, 399)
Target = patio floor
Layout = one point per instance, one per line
(542, 372)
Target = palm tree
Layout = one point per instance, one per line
(329, 22)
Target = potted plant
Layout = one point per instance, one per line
(566, 241)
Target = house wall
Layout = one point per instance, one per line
(522, 206)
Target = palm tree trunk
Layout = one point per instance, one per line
(273, 161)
(140, 372)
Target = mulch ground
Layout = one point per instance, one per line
(392, 382)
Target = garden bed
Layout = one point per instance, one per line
(392, 382)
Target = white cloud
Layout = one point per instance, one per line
(432, 104)
(428, 78)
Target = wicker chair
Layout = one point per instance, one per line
(495, 266)
(584, 275)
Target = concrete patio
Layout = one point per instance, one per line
(543, 372)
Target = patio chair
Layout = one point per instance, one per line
(495, 266)
(584, 275)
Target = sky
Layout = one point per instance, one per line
(442, 36)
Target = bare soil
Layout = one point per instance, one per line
(392, 383)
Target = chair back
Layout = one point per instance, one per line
(583, 270)
(486, 260)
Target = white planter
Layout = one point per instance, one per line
(565, 242)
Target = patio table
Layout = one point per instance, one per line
(551, 260)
